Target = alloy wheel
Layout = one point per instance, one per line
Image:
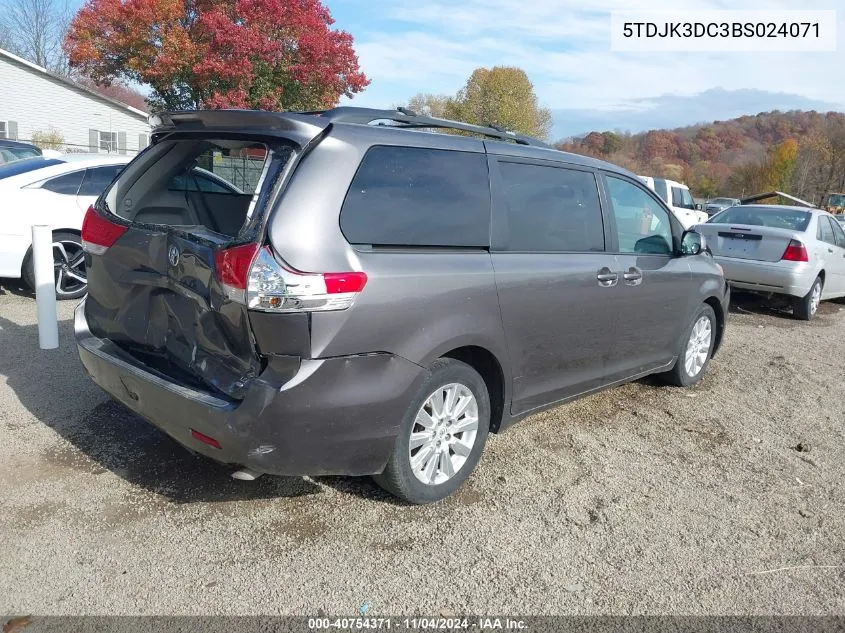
(69, 267)
(698, 346)
(815, 298)
(443, 434)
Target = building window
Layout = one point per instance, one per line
(3, 132)
(108, 141)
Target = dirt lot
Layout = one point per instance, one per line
(643, 499)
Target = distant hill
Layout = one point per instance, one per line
(802, 152)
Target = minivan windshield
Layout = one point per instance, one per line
(773, 217)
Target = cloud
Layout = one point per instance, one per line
(411, 46)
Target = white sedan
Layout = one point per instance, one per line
(57, 192)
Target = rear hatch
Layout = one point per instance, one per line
(166, 243)
(756, 233)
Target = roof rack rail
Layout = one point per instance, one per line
(406, 118)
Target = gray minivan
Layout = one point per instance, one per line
(371, 298)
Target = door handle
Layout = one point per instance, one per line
(830, 250)
(634, 276)
(607, 277)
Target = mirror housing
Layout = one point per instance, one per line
(699, 207)
(692, 243)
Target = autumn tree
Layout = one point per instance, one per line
(265, 54)
(593, 143)
(501, 96)
(781, 165)
(429, 104)
(773, 173)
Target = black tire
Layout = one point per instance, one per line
(802, 307)
(74, 243)
(679, 375)
(398, 477)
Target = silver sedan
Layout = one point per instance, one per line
(774, 249)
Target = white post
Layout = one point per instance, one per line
(45, 287)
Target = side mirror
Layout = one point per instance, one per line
(692, 243)
(699, 207)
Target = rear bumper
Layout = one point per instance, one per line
(334, 416)
(788, 278)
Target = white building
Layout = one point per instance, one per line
(35, 100)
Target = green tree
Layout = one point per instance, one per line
(501, 96)
(612, 143)
(706, 187)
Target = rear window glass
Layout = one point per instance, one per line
(772, 217)
(409, 196)
(178, 183)
(26, 165)
(661, 189)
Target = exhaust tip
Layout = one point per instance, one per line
(246, 474)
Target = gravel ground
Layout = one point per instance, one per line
(642, 499)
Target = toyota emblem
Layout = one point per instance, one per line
(173, 255)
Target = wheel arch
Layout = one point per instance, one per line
(490, 368)
(28, 254)
(714, 303)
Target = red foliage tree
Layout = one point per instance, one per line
(593, 143)
(660, 144)
(266, 54)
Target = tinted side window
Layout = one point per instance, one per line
(67, 184)
(551, 209)
(838, 233)
(98, 178)
(409, 196)
(643, 226)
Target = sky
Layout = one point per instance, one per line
(411, 46)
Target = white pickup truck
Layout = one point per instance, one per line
(679, 199)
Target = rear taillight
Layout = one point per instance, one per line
(260, 282)
(232, 266)
(795, 252)
(98, 234)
